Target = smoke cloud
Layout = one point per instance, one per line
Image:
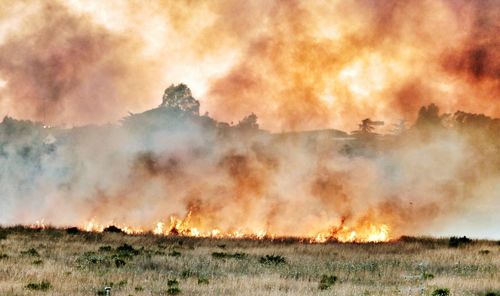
(298, 65)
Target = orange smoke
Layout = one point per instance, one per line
(296, 64)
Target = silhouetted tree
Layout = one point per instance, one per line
(180, 97)
(367, 126)
(428, 117)
(249, 122)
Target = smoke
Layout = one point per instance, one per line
(297, 65)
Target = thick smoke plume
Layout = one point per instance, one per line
(298, 65)
(170, 161)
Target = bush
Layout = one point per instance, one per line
(173, 287)
(187, 273)
(91, 258)
(73, 230)
(222, 255)
(327, 281)
(126, 249)
(272, 260)
(202, 280)
(4, 256)
(119, 263)
(427, 276)
(484, 252)
(105, 249)
(112, 229)
(173, 291)
(30, 252)
(492, 293)
(174, 253)
(37, 262)
(42, 286)
(456, 242)
(441, 292)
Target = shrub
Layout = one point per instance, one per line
(456, 242)
(30, 252)
(126, 249)
(105, 249)
(173, 287)
(222, 255)
(112, 229)
(272, 260)
(174, 253)
(119, 263)
(441, 292)
(202, 280)
(139, 288)
(42, 286)
(492, 293)
(4, 256)
(73, 230)
(484, 252)
(37, 262)
(427, 276)
(187, 273)
(91, 258)
(3, 235)
(173, 291)
(327, 281)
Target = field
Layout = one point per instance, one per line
(61, 262)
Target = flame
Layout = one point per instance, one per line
(366, 232)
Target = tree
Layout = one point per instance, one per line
(179, 97)
(249, 122)
(428, 117)
(367, 126)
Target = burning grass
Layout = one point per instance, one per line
(85, 263)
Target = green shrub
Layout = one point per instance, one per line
(484, 252)
(187, 273)
(272, 260)
(127, 250)
(119, 263)
(91, 258)
(37, 262)
(327, 281)
(492, 293)
(441, 292)
(202, 280)
(427, 276)
(173, 287)
(174, 253)
(173, 291)
(222, 255)
(30, 252)
(42, 286)
(105, 249)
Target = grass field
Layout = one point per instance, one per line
(55, 262)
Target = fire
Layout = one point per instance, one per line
(364, 233)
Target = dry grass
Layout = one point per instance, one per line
(84, 263)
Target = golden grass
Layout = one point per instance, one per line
(405, 267)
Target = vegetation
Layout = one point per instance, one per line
(73, 264)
